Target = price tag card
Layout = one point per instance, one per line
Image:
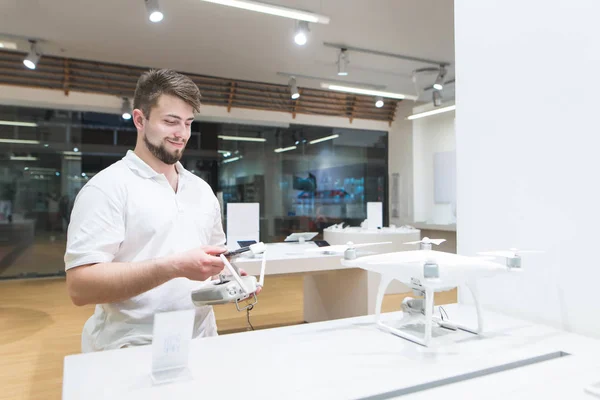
(170, 346)
(374, 215)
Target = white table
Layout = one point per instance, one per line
(331, 290)
(351, 359)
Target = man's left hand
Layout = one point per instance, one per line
(244, 273)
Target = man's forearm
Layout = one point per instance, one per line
(113, 282)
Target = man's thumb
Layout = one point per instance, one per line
(214, 250)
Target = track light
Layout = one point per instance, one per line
(126, 108)
(437, 98)
(33, 57)
(154, 12)
(301, 36)
(379, 102)
(439, 81)
(294, 88)
(343, 62)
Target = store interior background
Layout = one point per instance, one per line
(79, 132)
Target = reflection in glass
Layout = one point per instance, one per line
(304, 177)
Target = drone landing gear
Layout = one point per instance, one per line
(425, 313)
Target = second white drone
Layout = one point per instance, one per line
(426, 272)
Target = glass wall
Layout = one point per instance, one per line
(305, 178)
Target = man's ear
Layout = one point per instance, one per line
(138, 119)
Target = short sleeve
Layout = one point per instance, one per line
(96, 229)
(218, 235)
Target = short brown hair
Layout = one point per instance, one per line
(152, 84)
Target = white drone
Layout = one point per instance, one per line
(428, 271)
(226, 290)
(348, 249)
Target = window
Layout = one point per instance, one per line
(304, 177)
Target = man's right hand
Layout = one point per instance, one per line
(199, 264)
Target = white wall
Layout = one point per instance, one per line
(431, 135)
(527, 151)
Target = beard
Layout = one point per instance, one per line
(162, 153)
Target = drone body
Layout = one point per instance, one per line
(426, 272)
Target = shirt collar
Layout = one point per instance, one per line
(138, 165)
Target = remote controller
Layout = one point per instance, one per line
(232, 288)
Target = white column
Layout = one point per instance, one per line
(400, 166)
(527, 152)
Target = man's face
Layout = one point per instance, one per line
(168, 129)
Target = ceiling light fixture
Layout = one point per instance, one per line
(242, 138)
(23, 158)
(384, 54)
(301, 35)
(437, 98)
(8, 45)
(439, 81)
(231, 159)
(432, 112)
(324, 139)
(379, 102)
(343, 63)
(19, 141)
(282, 149)
(368, 92)
(154, 12)
(295, 93)
(33, 57)
(273, 10)
(126, 109)
(18, 123)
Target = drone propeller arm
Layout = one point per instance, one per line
(234, 273)
(261, 280)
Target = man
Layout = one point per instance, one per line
(144, 231)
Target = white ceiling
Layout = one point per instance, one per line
(211, 39)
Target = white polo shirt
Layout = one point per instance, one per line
(129, 212)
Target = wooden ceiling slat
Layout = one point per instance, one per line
(88, 76)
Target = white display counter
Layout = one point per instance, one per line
(352, 359)
(331, 290)
(398, 236)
